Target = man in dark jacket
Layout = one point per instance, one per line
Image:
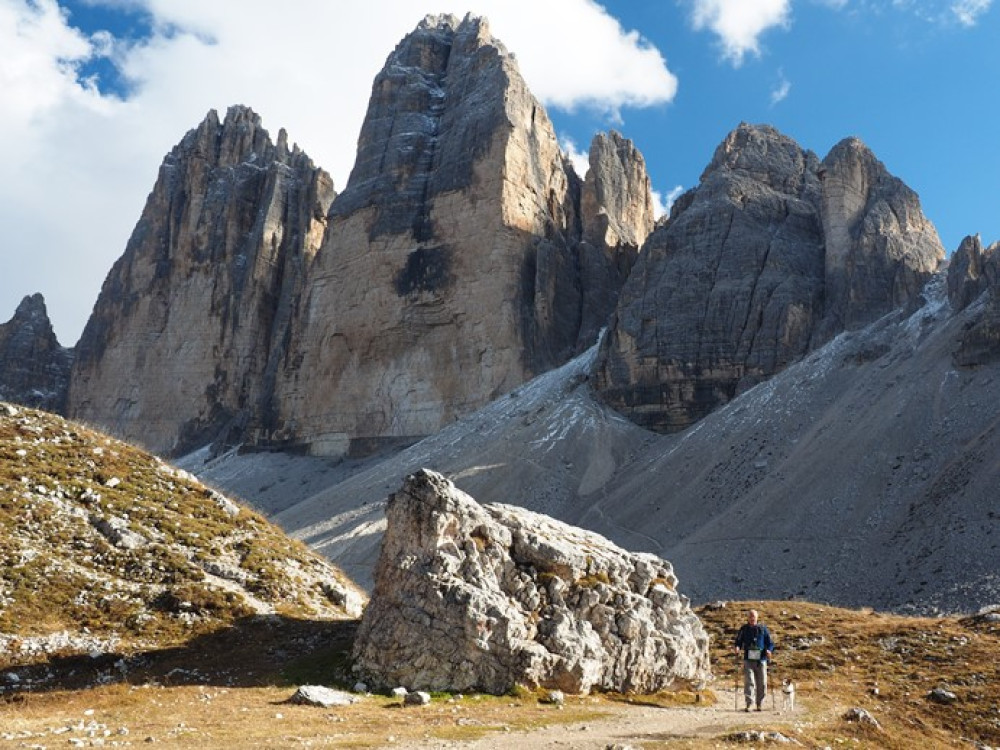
(755, 642)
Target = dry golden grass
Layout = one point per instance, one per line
(210, 717)
(885, 664)
(228, 690)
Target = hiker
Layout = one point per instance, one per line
(754, 640)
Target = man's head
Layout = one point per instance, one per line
(752, 617)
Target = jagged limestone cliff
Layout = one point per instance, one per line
(184, 337)
(773, 254)
(455, 266)
(34, 368)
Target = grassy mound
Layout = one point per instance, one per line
(101, 542)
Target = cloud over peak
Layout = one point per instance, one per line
(739, 24)
(94, 110)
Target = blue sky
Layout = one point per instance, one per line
(917, 85)
(96, 92)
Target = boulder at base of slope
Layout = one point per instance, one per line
(485, 597)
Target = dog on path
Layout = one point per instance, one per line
(787, 695)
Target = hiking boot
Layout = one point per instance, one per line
(758, 707)
(747, 709)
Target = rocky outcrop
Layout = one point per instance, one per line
(455, 266)
(184, 339)
(769, 257)
(464, 257)
(34, 368)
(880, 249)
(484, 597)
(972, 272)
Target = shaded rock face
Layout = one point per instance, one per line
(483, 597)
(34, 368)
(192, 319)
(972, 272)
(769, 257)
(455, 266)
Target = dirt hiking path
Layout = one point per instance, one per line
(636, 725)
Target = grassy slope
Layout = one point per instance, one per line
(98, 536)
(885, 664)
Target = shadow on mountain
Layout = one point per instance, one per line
(253, 652)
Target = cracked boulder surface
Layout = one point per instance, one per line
(773, 254)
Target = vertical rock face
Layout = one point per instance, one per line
(971, 272)
(454, 267)
(770, 256)
(880, 248)
(184, 337)
(616, 205)
(34, 368)
(484, 597)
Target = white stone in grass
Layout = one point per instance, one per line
(324, 697)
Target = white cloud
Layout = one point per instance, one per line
(968, 11)
(78, 165)
(781, 90)
(579, 159)
(739, 24)
(661, 204)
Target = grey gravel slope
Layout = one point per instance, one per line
(864, 475)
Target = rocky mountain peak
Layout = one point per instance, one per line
(966, 273)
(455, 266)
(616, 204)
(34, 368)
(773, 254)
(238, 139)
(763, 154)
(32, 310)
(443, 78)
(880, 248)
(974, 275)
(196, 309)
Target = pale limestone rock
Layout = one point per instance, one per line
(453, 269)
(974, 273)
(483, 597)
(616, 203)
(880, 248)
(183, 339)
(324, 697)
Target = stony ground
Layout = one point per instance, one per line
(650, 727)
(927, 682)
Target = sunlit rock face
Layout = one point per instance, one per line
(464, 256)
(182, 344)
(486, 597)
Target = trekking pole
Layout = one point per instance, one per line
(736, 684)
